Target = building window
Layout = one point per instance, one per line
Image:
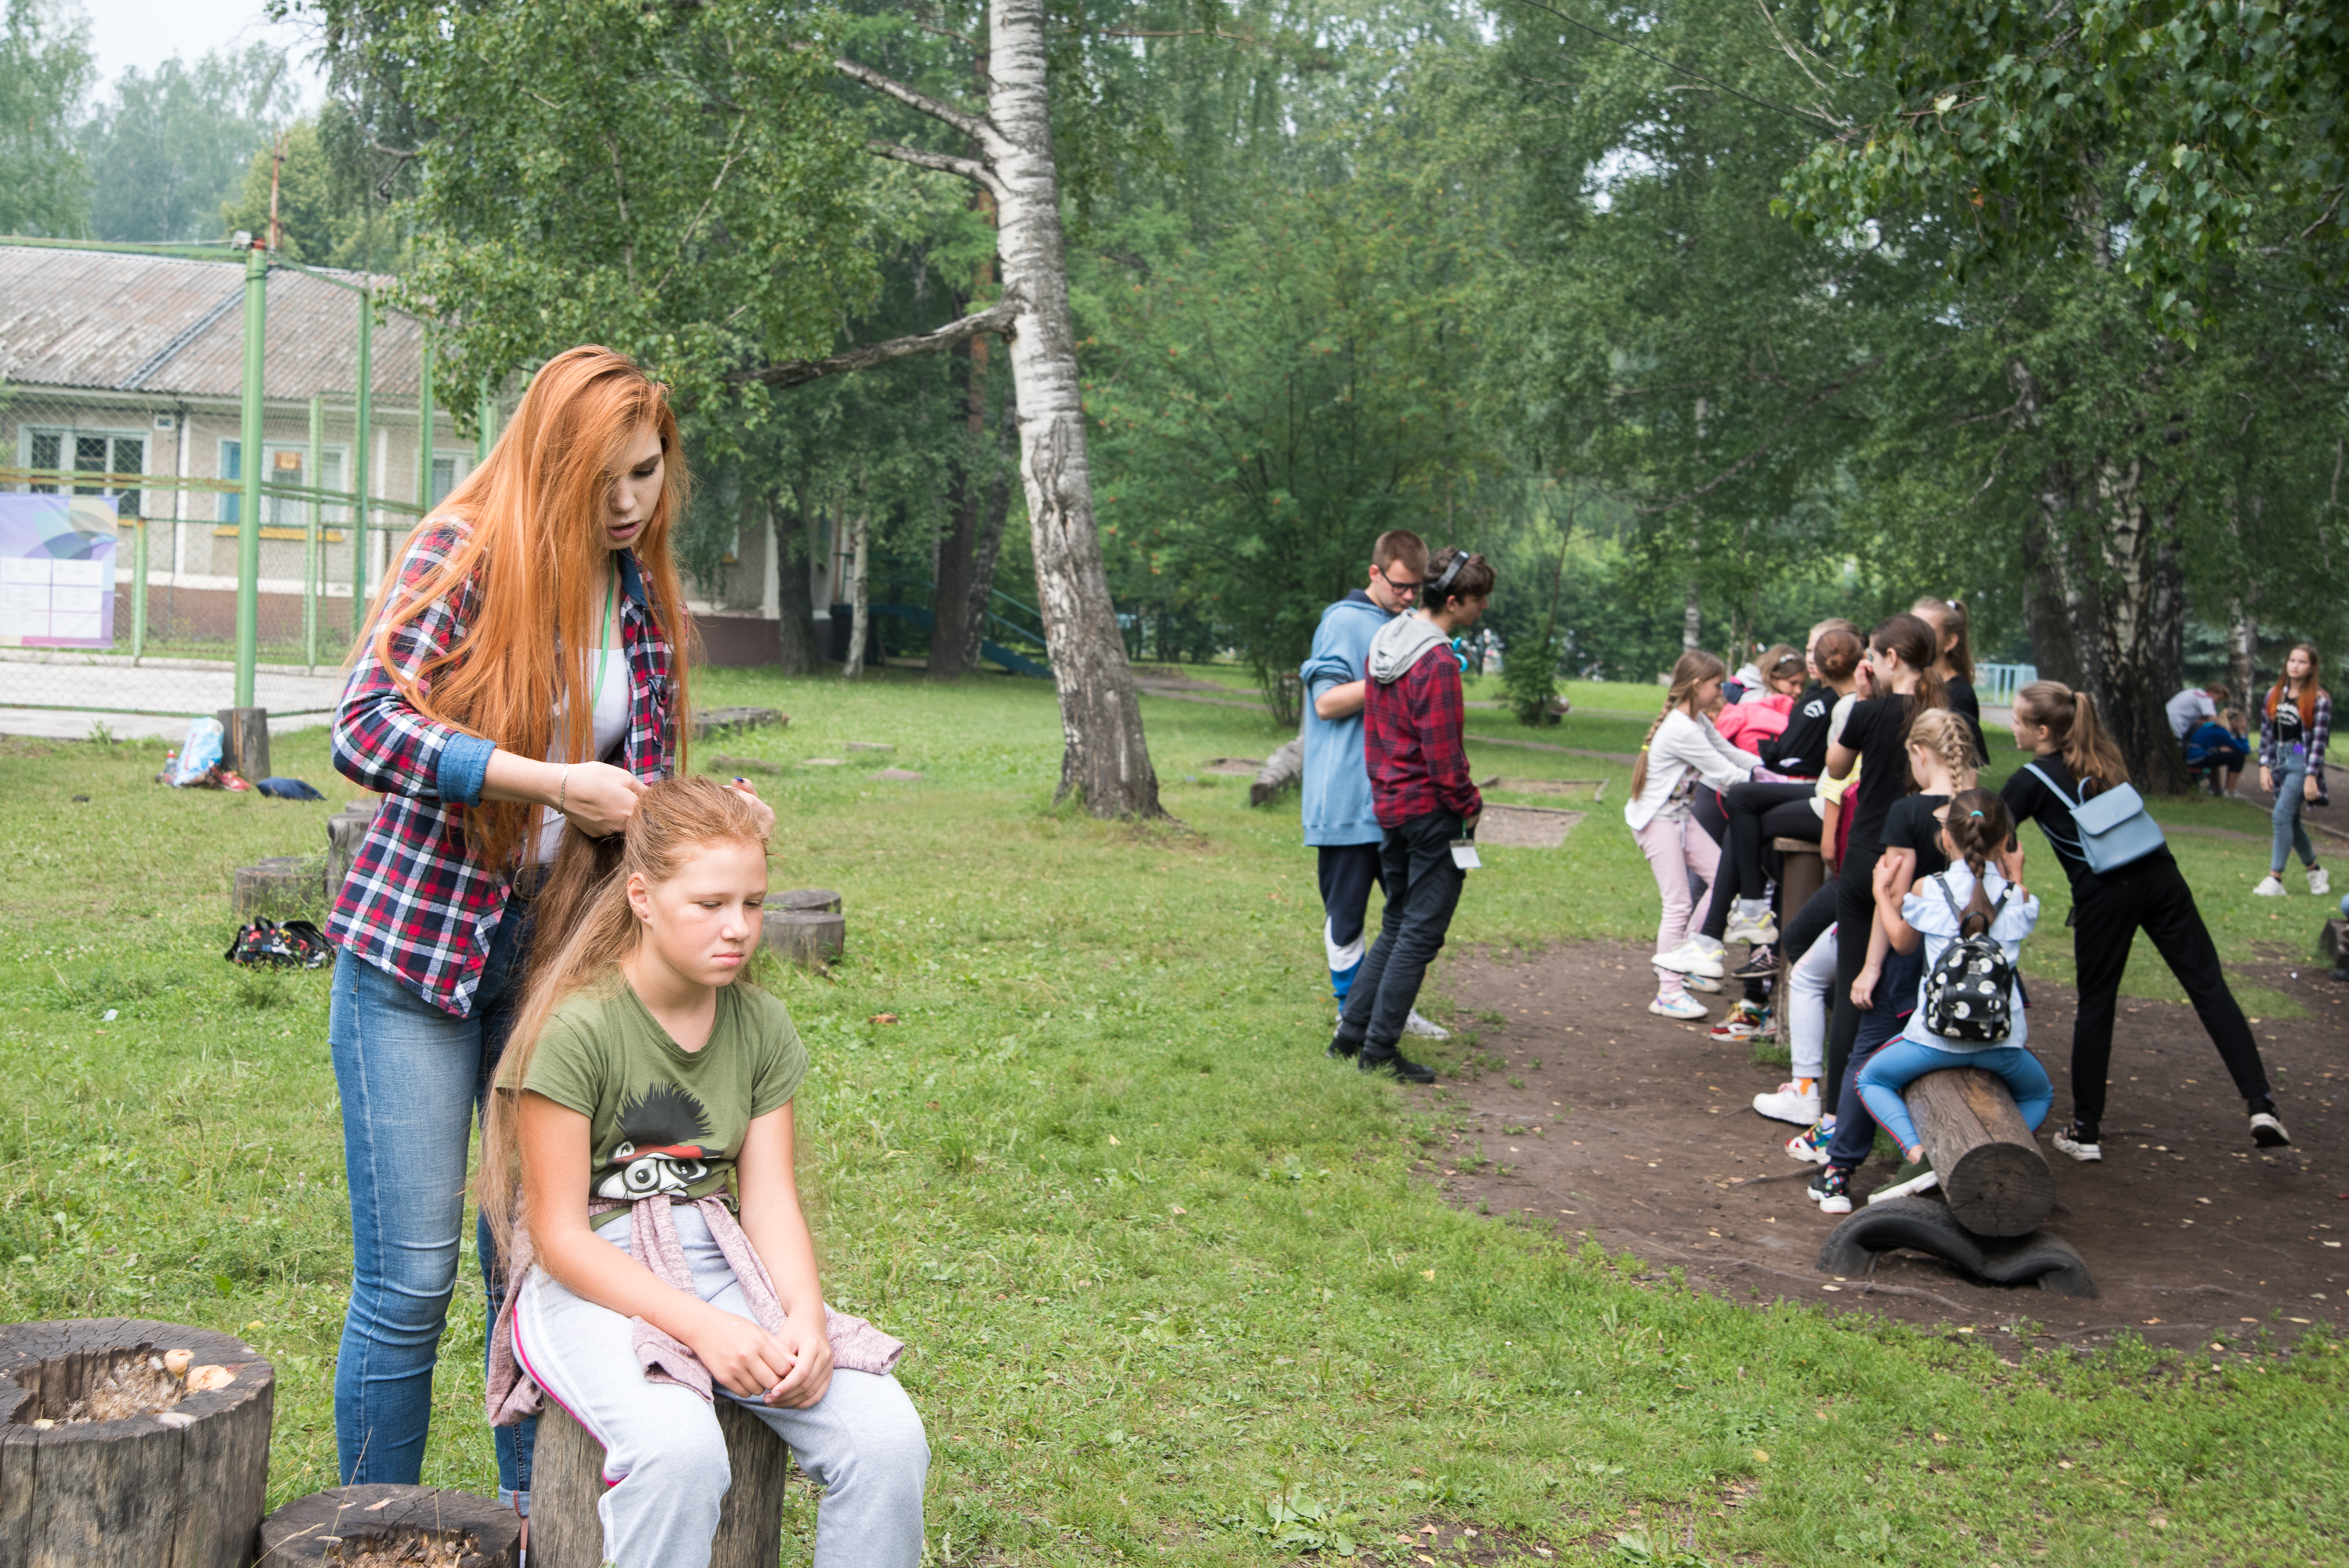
(95, 453)
(231, 467)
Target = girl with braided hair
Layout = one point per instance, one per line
(1684, 753)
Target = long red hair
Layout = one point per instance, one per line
(2305, 693)
(533, 548)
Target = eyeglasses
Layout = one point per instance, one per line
(1404, 589)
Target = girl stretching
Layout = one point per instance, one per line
(2295, 723)
(2073, 759)
(644, 1103)
(1976, 896)
(1682, 753)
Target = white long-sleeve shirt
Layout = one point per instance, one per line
(1680, 746)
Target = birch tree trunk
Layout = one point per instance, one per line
(859, 618)
(1106, 758)
(2143, 626)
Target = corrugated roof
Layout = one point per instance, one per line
(107, 320)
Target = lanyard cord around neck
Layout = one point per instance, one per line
(603, 651)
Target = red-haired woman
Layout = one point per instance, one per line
(2295, 725)
(519, 678)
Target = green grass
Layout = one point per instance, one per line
(1158, 1260)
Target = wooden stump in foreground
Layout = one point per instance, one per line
(567, 1481)
(244, 741)
(106, 1457)
(378, 1523)
(277, 887)
(1993, 1173)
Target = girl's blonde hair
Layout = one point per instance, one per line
(532, 556)
(1945, 735)
(1776, 655)
(1692, 670)
(1947, 618)
(2069, 717)
(586, 927)
(1979, 831)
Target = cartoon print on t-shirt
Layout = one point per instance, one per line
(660, 1149)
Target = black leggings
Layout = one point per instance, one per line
(1854, 918)
(1758, 813)
(2151, 894)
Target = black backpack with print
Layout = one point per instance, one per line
(1970, 994)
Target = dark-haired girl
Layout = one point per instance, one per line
(2073, 761)
(1955, 665)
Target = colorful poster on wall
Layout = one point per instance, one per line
(56, 571)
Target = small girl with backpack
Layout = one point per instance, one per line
(1682, 754)
(637, 1165)
(1972, 920)
(2295, 724)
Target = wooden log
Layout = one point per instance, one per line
(567, 1481)
(813, 899)
(1991, 1172)
(345, 829)
(280, 886)
(244, 741)
(709, 721)
(2332, 943)
(808, 937)
(1282, 768)
(1801, 873)
(337, 1526)
(106, 1457)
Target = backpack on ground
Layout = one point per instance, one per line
(1970, 994)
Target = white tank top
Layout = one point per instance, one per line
(611, 726)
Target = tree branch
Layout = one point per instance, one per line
(970, 169)
(996, 318)
(978, 127)
(1832, 389)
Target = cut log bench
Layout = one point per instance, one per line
(381, 1523)
(804, 927)
(1996, 1191)
(280, 886)
(114, 1451)
(566, 1481)
(1802, 871)
(244, 742)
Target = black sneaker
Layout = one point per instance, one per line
(1761, 963)
(1394, 1062)
(1342, 1047)
(1831, 1189)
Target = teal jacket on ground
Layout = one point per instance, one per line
(1337, 783)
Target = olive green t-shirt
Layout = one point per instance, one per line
(664, 1118)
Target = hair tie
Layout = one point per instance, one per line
(1973, 813)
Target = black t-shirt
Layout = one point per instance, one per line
(1800, 750)
(1968, 706)
(2286, 722)
(1877, 729)
(1911, 825)
(2027, 798)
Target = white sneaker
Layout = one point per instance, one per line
(1425, 1030)
(1700, 983)
(1694, 956)
(2319, 883)
(2268, 1132)
(2271, 886)
(1751, 923)
(2086, 1150)
(1684, 1007)
(1788, 1102)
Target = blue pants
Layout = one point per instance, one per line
(412, 1079)
(1896, 999)
(1904, 1061)
(2291, 832)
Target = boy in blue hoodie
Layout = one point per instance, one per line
(1339, 821)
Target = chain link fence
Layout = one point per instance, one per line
(208, 459)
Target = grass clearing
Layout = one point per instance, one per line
(1173, 1292)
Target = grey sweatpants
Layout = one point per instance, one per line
(662, 1453)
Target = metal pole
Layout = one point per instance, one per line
(138, 584)
(359, 445)
(310, 551)
(424, 426)
(248, 519)
(488, 420)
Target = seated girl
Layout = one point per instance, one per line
(1980, 893)
(644, 1103)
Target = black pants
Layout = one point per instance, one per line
(1809, 923)
(1422, 890)
(1758, 813)
(2151, 894)
(1705, 806)
(1348, 871)
(1896, 999)
(1854, 918)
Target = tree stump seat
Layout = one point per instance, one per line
(1800, 874)
(709, 721)
(132, 1443)
(277, 888)
(566, 1481)
(394, 1526)
(1992, 1172)
(804, 927)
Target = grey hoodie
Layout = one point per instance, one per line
(1401, 643)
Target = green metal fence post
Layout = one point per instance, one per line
(424, 428)
(488, 420)
(138, 584)
(248, 522)
(360, 442)
(311, 551)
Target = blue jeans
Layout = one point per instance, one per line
(411, 1078)
(2291, 832)
(1896, 999)
(1904, 1061)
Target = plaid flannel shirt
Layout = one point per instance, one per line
(2315, 733)
(1415, 743)
(418, 903)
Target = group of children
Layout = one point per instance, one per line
(1907, 961)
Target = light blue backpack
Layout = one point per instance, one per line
(2114, 829)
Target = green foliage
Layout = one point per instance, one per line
(328, 212)
(46, 67)
(2181, 134)
(169, 147)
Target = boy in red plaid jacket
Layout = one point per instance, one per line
(1412, 741)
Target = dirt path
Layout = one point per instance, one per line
(1589, 1111)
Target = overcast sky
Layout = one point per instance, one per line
(146, 33)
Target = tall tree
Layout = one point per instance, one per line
(171, 147)
(45, 68)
